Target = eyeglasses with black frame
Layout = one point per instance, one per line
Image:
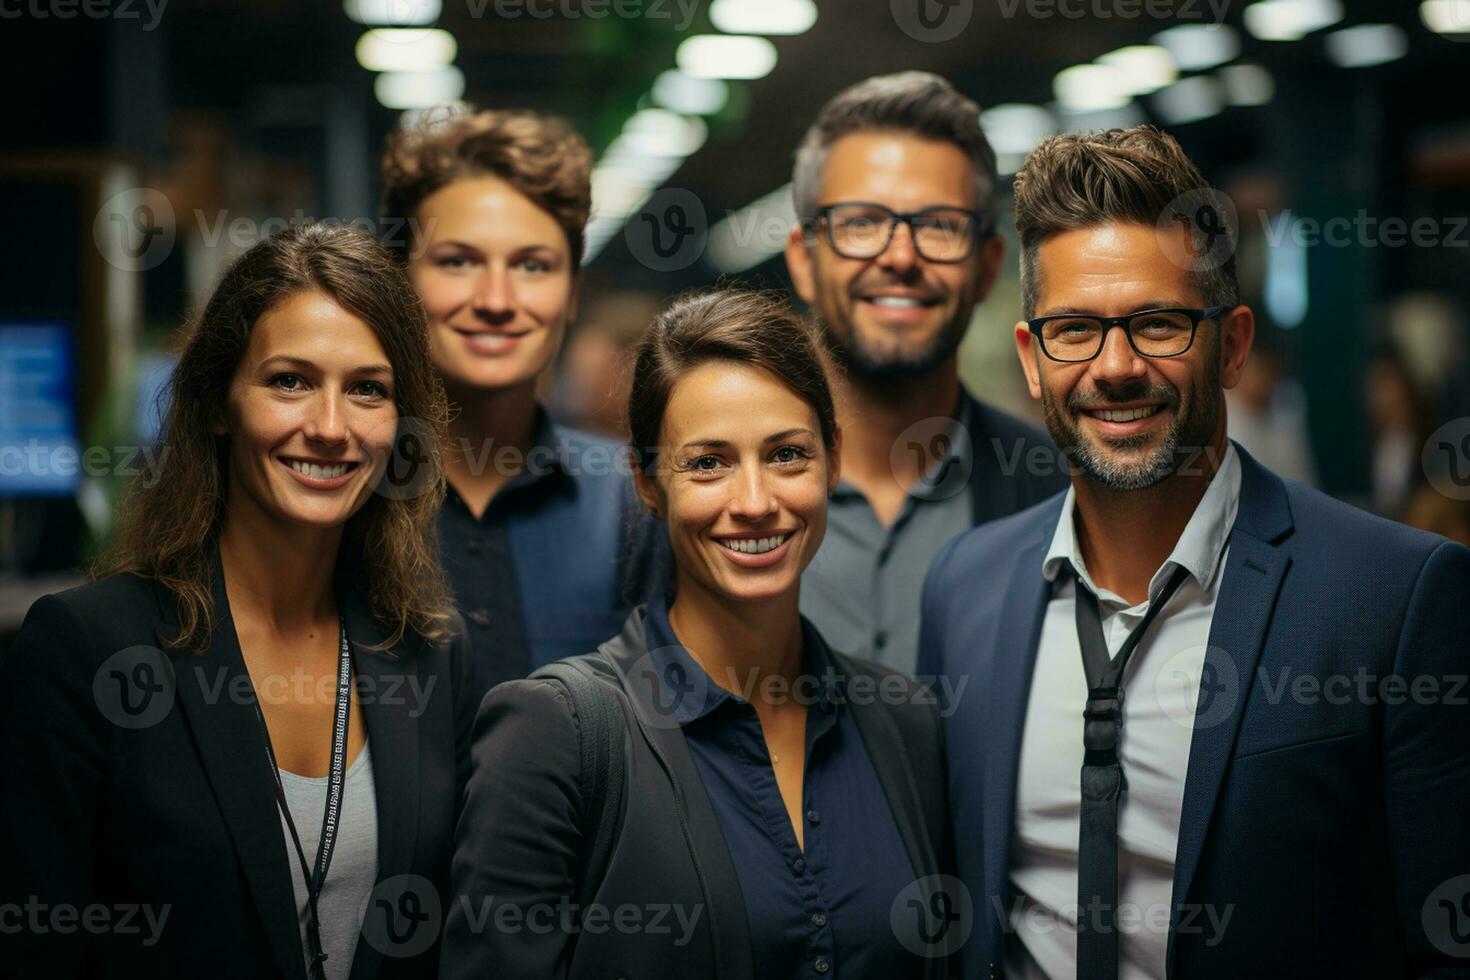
(863, 230)
(1073, 337)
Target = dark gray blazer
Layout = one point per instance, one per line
(172, 807)
(520, 843)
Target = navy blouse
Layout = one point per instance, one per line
(819, 913)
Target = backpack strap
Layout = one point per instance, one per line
(602, 732)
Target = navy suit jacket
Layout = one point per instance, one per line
(1329, 817)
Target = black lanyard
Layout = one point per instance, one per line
(1102, 781)
(336, 778)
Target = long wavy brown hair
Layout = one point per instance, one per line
(170, 519)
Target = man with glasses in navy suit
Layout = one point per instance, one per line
(1215, 722)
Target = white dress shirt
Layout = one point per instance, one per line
(1161, 685)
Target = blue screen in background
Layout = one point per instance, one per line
(39, 450)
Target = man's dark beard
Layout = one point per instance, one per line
(1196, 417)
(868, 366)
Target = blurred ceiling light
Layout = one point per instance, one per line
(1015, 128)
(726, 56)
(1145, 67)
(763, 16)
(753, 234)
(661, 133)
(1290, 20)
(1092, 120)
(1446, 16)
(1196, 47)
(405, 49)
(393, 13)
(419, 89)
(1189, 100)
(1247, 85)
(1366, 45)
(689, 95)
(1088, 87)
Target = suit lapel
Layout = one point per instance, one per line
(232, 747)
(728, 925)
(383, 676)
(1017, 638)
(1252, 579)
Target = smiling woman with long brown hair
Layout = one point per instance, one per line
(252, 724)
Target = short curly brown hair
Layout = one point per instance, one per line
(541, 156)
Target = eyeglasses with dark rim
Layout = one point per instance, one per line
(863, 230)
(1072, 337)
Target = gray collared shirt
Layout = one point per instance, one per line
(862, 590)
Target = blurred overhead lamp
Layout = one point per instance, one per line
(419, 89)
(726, 56)
(1446, 16)
(1196, 47)
(1014, 129)
(1189, 100)
(405, 49)
(1086, 87)
(1145, 67)
(1366, 44)
(689, 95)
(1247, 85)
(661, 133)
(763, 16)
(1290, 20)
(393, 13)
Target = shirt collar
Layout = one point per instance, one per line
(694, 693)
(1198, 550)
(547, 459)
(960, 453)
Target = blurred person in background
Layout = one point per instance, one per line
(1267, 413)
(254, 790)
(782, 813)
(591, 389)
(1398, 424)
(894, 190)
(1430, 510)
(541, 531)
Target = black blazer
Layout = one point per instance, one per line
(168, 802)
(520, 840)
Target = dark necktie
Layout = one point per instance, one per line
(1102, 781)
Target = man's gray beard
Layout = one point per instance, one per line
(869, 367)
(1185, 436)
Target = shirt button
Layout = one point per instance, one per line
(474, 546)
(799, 865)
(480, 616)
(881, 639)
(819, 919)
(813, 816)
(821, 965)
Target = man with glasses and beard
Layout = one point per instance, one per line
(1214, 721)
(894, 186)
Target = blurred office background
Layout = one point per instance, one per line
(151, 142)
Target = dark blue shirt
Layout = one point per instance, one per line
(558, 558)
(818, 913)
